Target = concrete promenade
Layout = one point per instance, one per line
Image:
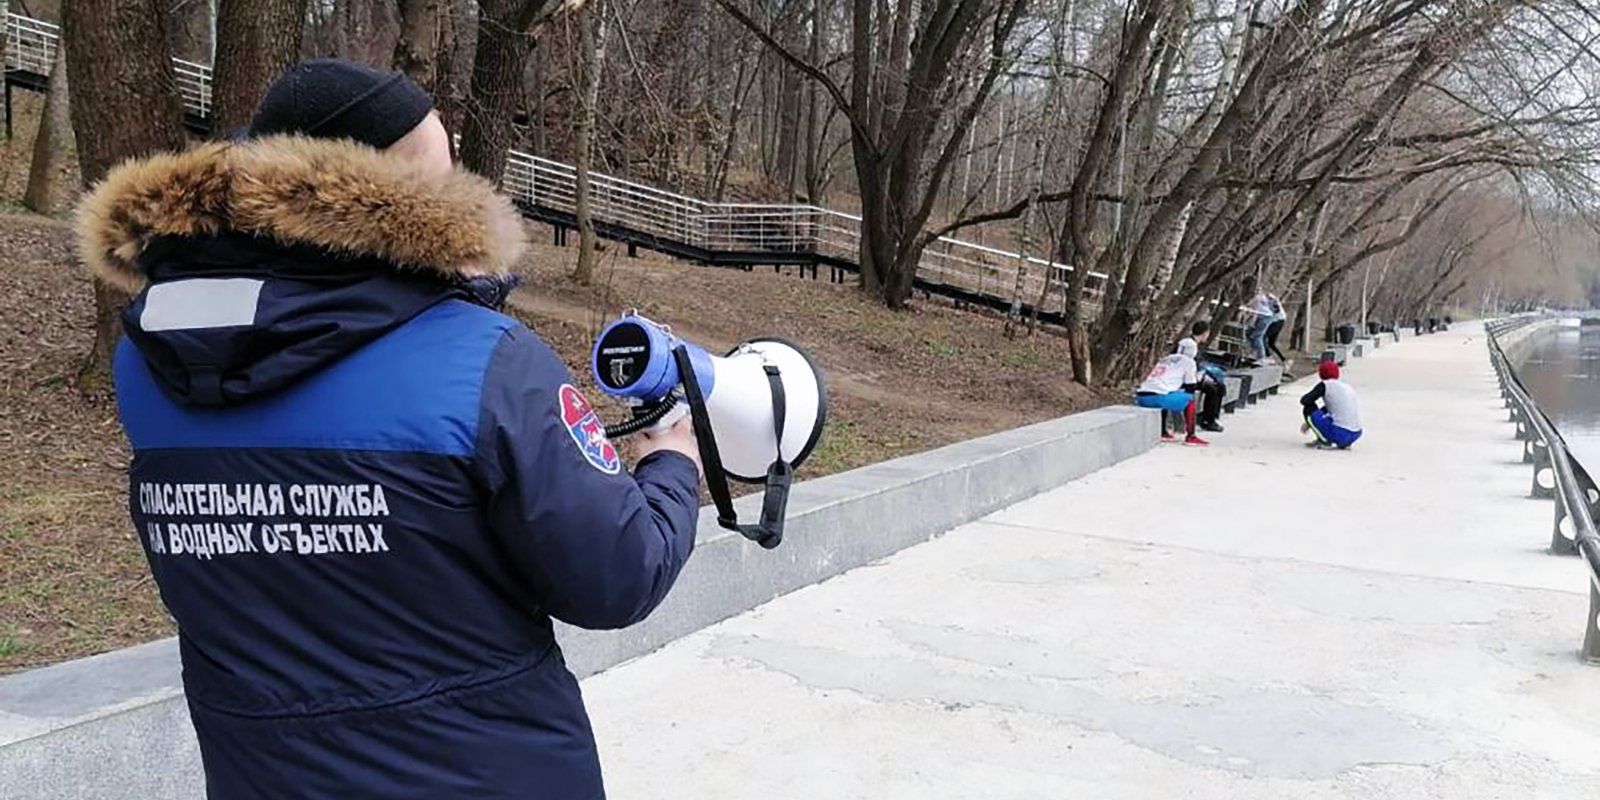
(1252, 620)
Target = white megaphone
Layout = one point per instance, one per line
(758, 411)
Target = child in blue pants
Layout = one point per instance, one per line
(1337, 421)
(1169, 386)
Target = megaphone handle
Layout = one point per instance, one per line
(769, 533)
(774, 503)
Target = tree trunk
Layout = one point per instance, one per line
(592, 36)
(124, 103)
(1121, 323)
(458, 42)
(789, 134)
(904, 132)
(1025, 246)
(341, 28)
(1331, 299)
(815, 135)
(55, 137)
(492, 99)
(1081, 218)
(189, 30)
(538, 116)
(416, 52)
(256, 41)
(505, 38)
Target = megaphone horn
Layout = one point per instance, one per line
(758, 411)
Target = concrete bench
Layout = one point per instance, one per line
(1233, 390)
(1359, 348)
(1247, 385)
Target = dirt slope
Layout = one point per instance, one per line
(75, 581)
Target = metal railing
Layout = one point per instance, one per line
(194, 86)
(755, 228)
(1556, 475)
(30, 46)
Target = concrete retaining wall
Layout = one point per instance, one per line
(1518, 342)
(115, 726)
(1233, 390)
(1260, 382)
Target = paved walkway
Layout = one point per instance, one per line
(1252, 620)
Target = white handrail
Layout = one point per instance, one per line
(30, 44)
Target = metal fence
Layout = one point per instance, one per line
(30, 46)
(1556, 475)
(755, 228)
(194, 86)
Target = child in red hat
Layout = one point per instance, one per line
(1337, 420)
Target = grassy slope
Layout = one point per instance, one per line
(74, 580)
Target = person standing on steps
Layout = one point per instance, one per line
(1337, 421)
(1170, 387)
(1274, 327)
(364, 492)
(1261, 314)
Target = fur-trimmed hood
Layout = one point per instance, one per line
(256, 264)
(340, 196)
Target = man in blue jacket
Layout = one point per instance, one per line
(363, 492)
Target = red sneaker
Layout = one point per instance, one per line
(1195, 441)
(1166, 436)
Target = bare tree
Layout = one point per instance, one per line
(189, 30)
(592, 32)
(124, 103)
(920, 74)
(256, 41)
(1074, 246)
(458, 44)
(1285, 145)
(423, 24)
(816, 125)
(43, 195)
(506, 30)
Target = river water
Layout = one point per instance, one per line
(1562, 372)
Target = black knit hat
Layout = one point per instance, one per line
(335, 99)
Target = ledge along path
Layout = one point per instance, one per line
(1252, 620)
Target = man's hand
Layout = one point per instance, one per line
(1305, 427)
(677, 437)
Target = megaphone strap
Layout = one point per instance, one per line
(780, 476)
(779, 404)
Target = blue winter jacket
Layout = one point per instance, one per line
(363, 492)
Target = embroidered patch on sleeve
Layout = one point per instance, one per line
(587, 431)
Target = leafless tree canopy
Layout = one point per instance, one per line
(1388, 157)
(1186, 145)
